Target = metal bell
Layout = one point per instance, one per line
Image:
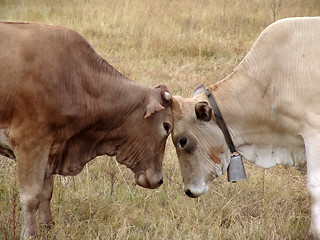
(236, 169)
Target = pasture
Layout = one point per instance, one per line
(181, 43)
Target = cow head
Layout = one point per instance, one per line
(148, 130)
(200, 145)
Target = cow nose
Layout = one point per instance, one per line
(160, 182)
(195, 191)
(189, 193)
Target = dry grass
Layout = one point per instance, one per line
(182, 43)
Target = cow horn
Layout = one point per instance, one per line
(167, 96)
(200, 89)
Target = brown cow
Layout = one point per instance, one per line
(61, 105)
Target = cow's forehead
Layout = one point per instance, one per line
(184, 107)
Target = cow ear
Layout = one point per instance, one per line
(203, 111)
(152, 107)
(200, 89)
(156, 104)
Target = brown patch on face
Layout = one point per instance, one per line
(214, 152)
(213, 87)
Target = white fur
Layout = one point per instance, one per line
(271, 106)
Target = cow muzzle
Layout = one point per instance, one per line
(195, 191)
(149, 179)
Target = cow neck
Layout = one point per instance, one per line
(125, 92)
(234, 100)
(221, 123)
(132, 94)
(235, 170)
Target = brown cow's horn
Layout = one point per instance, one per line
(167, 96)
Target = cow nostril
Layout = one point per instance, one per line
(160, 182)
(182, 142)
(189, 193)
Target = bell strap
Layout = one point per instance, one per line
(221, 123)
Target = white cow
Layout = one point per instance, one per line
(271, 107)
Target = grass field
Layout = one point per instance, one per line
(181, 43)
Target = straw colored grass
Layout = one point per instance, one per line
(181, 43)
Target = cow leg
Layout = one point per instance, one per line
(312, 145)
(44, 211)
(31, 172)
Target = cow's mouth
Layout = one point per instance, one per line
(195, 191)
(151, 182)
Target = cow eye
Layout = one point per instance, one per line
(166, 127)
(182, 142)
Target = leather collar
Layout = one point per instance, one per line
(220, 121)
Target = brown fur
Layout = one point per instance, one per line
(214, 152)
(62, 105)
